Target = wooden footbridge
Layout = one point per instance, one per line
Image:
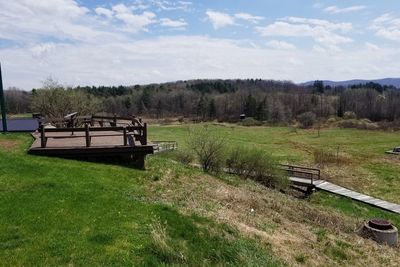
(93, 137)
(310, 179)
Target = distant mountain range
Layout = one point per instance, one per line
(387, 81)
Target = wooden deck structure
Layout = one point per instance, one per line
(108, 138)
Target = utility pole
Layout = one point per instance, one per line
(3, 104)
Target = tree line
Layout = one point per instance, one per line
(224, 100)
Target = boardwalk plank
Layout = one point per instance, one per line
(342, 191)
(339, 190)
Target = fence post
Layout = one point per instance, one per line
(87, 135)
(3, 105)
(42, 136)
(115, 120)
(125, 137)
(145, 133)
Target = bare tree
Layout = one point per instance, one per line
(54, 100)
(209, 146)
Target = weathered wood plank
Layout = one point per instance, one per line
(339, 190)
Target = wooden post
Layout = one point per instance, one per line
(125, 137)
(144, 134)
(42, 136)
(87, 135)
(3, 105)
(115, 120)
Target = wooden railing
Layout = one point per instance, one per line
(73, 120)
(302, 172)
(138, 132)
(161, 146)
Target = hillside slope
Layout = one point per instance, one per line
(64, 212)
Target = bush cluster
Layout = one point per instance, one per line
(255, 164)
(250, 122)
(307, 119)
(364, 124)
(249, 163)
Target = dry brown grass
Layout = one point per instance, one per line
(289, 226)
(326, 157)
(8, 145)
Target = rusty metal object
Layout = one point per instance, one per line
(380, 224)
(381, 231)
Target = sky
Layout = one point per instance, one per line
(128, 42)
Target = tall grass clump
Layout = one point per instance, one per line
(250, 163)
(161, 244)
(209, 147)
(324, 157)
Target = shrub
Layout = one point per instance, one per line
(364, 124)
(331, 120)
(349, 115)
(184, 156)
(209, 148)
(255, 164)
(250, 122)
(307, 119)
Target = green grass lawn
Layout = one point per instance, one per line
(20, 116)
(56, 212)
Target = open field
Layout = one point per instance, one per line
(363, 164)
(65, 212)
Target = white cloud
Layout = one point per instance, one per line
(134, 22)
(248, 17)
(67, 41)
(322, 31)
(104, 12)
(219, 19)
(166, 22)
(40, 50)
(24, 20)
(280, 45)
(172, 5)
(371, 46)
(338, 10)
(188, 57)
(319, 22)
(387, 26)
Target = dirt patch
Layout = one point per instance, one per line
(8, 145)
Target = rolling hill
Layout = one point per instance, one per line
(386, 81)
